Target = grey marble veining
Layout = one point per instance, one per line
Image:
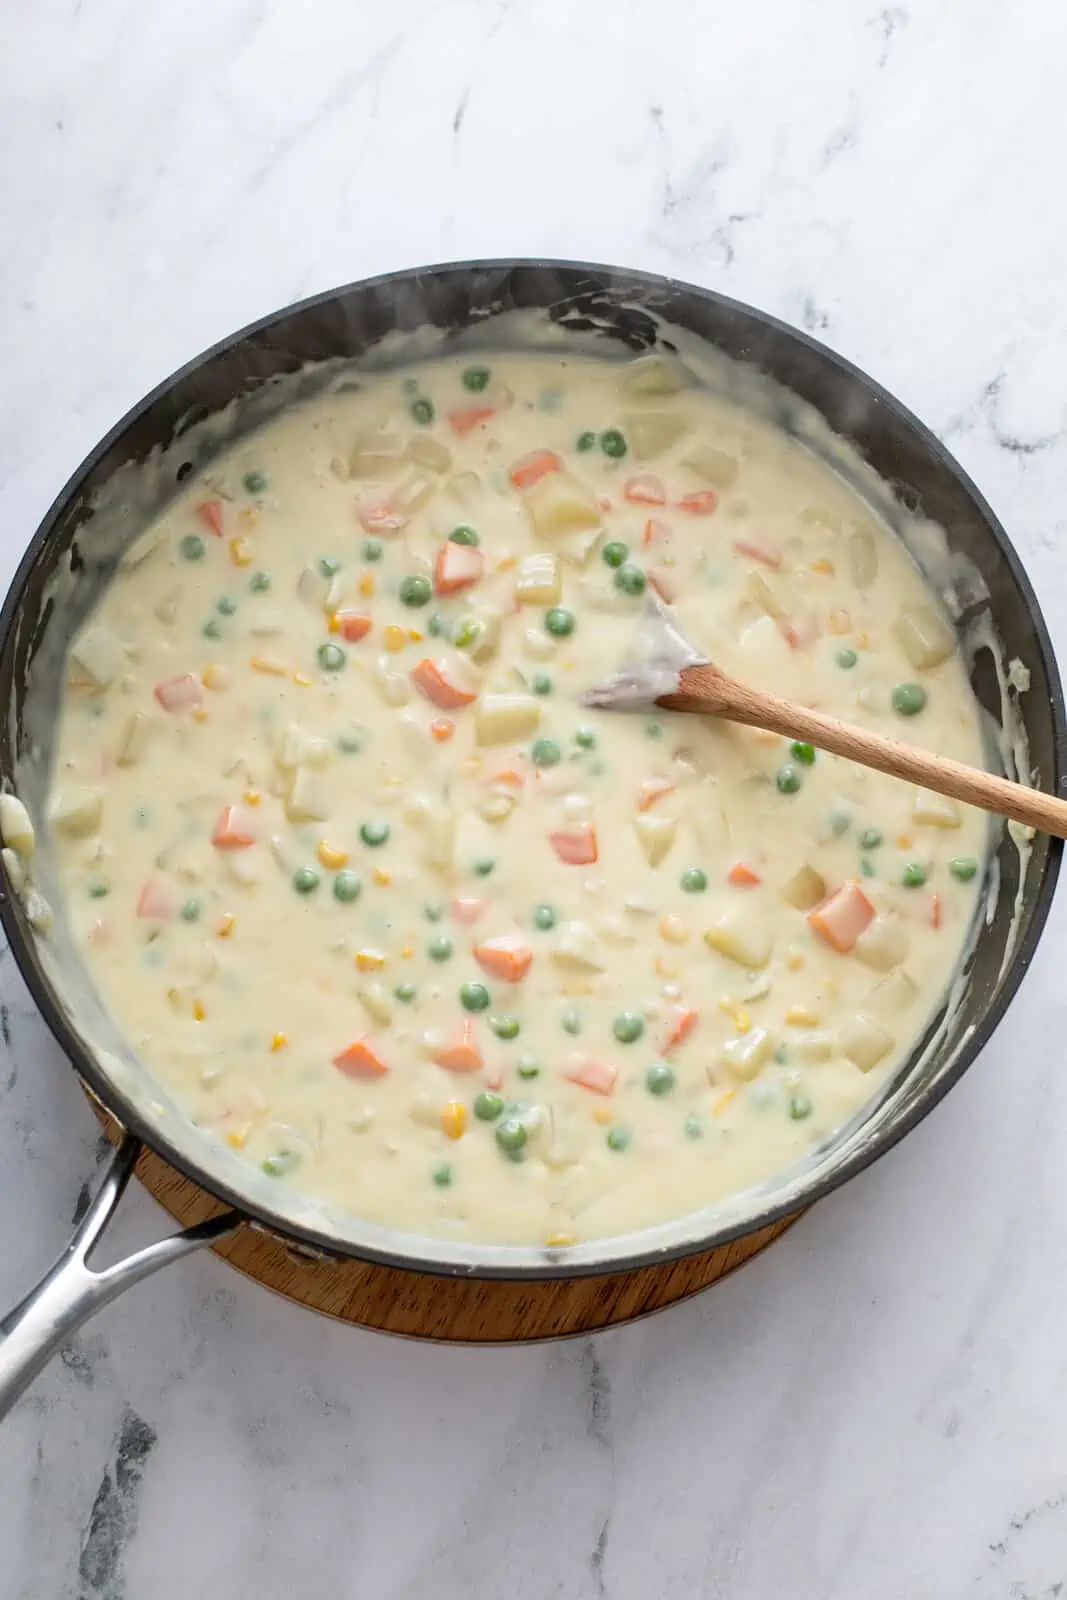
(878, 1407)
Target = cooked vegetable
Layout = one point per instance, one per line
(742, 935)
(16, 829)
(934, 810)
(362, 1059)
(442, 685)
(652, 433)
(656, 835)
(457, 567)
(925, 637)
(864, 1042)
(908, 699)
(884, 943)
(840, 920)
(77, 811)
(462, 1053)
(746, 1054)
(805, 889)
(556, 505)
(506, 958)
(537, 582)
(599, 1076)
(577, 846)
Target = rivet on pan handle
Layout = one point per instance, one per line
(72, 1292)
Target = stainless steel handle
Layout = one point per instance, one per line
(72, 1292)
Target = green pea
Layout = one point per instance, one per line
(439, 949)
(349, 744)
(571, 1021)
(432, 912)
(585, 441)
(483, 866)
(614, 553)
(505, 1027)
(347, 886)
(415, 590)
(305, 880)
(908, 699)
(804, 753)
(585, 739)
(693, 1126)
(559, 622)
(442, 1175)
(545, 753)
(510, 1135)
(225, 605)
(259, 582)
(212, 629)
(192, 547)
(781, 1055)
(913, 876)
(422, 411)
(466, 633)
(329, 566)
(659, 1079)
(544, 917)
(463, 535)
(541, 684)
(846, 659)
(628, 1027)
(963, 868)
(190, 910)
(475, 379)
(528, 1067)
(617, 1138)
(630, 579)
(487, 1106)
(410, 386)
(866, 867)
(840, 821)
(872, 839)
(437, 625)
(613, 443)
(474, 997)
(800, 1107)
(255, 482)
(331, 657)
(374, 834)
(280, 1164)
(373, 550)
(788, 780)
(99, 891)
(654, 729)
(405, 993)
(694, 880)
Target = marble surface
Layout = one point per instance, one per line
(878, 1406)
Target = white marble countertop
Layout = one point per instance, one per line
(877, 1407)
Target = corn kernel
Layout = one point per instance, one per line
(666, 969)
(408, 951)
(366, 583)
(673, 929)
(200, 715)
(278, 1041)
(454, 1119)
(415, 636)
(226, 926)
(269, 665)
(383, 876)
(560, 1241)
(251, 797)
(794, 961)
(393, 638)
(198, 1011)
(742, 1020)
(214, 676)
(236, 1139)
(603, 1115)
(801, 1017)
(863, 640)
(369, 960)
(331, 857)
(722, 1102)
(506, 563)
(905, 841)
(302, 679)
(240, 552)
(824, 566)
(840, 622)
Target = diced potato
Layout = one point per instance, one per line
(375, 1001)
(166, 607)
(16, 829)
(862, 559)
(77, 811)
(810, 1048)
(142, 548)
(891, 996)
(267, 624)
(576, 548)
(764, 592)
(654, 374)
(557, 505)
(656, 835)
(884, 944)
(505, 718)
(925, 638)
(307, 800)
(804, 889)
(538, 644)
(313, 588)
(498, 806)
(377, 455)
(486, 642)
(439, 835)
(13, 868)
(741, 934)
(393, 685)
(650, 433)
(413, 491)
(465, 488)
(714, 467)
(38, 911)
(935, 810)
(537, 582)
(430, 452)
(134, 740)
(864, 1042)
(96, 658)
(745, 1055)
(291, 746)
(577, 949)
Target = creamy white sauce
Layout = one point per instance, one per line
(242, 994)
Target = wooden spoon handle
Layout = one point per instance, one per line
(707, 689)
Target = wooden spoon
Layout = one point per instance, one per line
(704, 688)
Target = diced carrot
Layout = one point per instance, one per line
(210, 514)
(457, 567)
(179, 694)
(232, 830)
(511, 777)
(936, 911)
(506, 958)
(379, 517)
(651, 790)
(645, 490)
(431, 678)
(742, 876)
(683, 1020)
(361, 1060)
(799, 633)
(464, 418)
(468, 909)
(758, 552)
(656, 532)
(494, 1078)
(701, 503)
(841, 918)
(351, 625)
(664, 580)
(462, 1053)
(604, 502)
(156, 900)
(599, 1076)
(576, 847)
(442, 730)
(525, 472)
